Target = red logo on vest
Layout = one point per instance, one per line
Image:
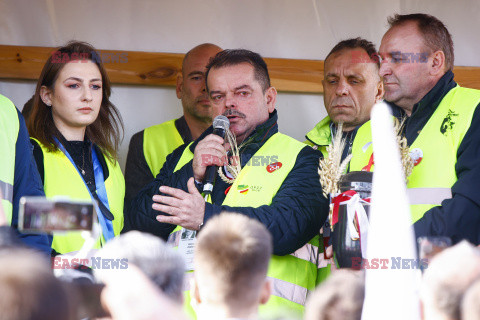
(274, 166)
(416, 155)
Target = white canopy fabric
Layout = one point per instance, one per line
(299, 29)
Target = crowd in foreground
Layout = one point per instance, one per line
(275, 250)
(231, 261)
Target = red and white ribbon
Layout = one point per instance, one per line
(355, 211)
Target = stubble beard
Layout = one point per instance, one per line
(193, 111)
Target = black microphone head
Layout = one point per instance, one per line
(221, 122)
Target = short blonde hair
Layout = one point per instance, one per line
(231, 259)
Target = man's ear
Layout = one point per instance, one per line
(46, 95)
(266, 291)
(437, 65)
(195, 294)
(271, 97)
(179, 86)
(380, 91)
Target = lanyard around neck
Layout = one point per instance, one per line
(101, 192)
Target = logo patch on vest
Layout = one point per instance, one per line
(448, 123)
(274, 166)
(242, 188)
(416, 155)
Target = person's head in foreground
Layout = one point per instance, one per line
(231, 262)
(163, 265)
(416, 52)
(130, 295)
(28, 288)
(446, 279)
(351, 82)
(238, 85)
(340, 297)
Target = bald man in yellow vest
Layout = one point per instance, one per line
(149, 148)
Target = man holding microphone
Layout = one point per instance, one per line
(276, 183)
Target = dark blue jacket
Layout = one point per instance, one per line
(27, 183)
(295, 215)
(458, 217)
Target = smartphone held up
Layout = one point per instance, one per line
(56, 215)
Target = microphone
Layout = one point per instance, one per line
(220, 125)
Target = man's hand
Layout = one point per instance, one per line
(210, 151)
(186, 209)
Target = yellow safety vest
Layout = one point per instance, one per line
(158, 142)
(9, 127)
(62, 179)
(293, 275)
(431, 180)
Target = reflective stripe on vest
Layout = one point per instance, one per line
(9, 127)
(158, 142)
(309, 252)
(6, 191)
(298, 269)
(58, 171)
(289, 291)
(433, 196)
(431, 180)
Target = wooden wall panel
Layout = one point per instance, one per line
(161, 69)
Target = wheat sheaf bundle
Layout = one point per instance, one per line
(406, 159)
(233, 166)
(331, 167)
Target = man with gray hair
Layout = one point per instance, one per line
(442, 127)
(163, 265)
(231, 263)
(446, 280)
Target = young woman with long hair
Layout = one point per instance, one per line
(75, 132)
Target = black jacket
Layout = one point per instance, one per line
(295, 215)
(458, 217)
